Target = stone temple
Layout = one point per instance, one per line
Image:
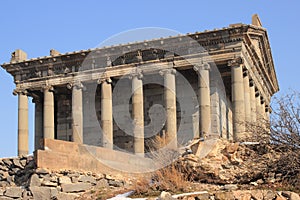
(117, 99)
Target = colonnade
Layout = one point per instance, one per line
(247, 105)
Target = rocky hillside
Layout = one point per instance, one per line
(214, 169)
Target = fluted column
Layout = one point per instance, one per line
(204, 99)
(138, 111)
(170, 106)
(22, 123)
(252, 102)
(77, 115)
(247, 98)
(38, 123)
(106, 113)
(48, 113)
(238, 98)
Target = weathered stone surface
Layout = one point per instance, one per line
(204, 196)
(291, 195)
(66, 196)
(224, 196)
(5, 198)
(74, 179)
(17, 163)
(4, 183)
(165, 196)
(75, 187)
(242, 195)
(40, 192)
(14, 192)
(280, 198)
(3, 168)
(53, 192)
(41, 171)
(23, 162)
(102, 183)
(64, 180)
(87, 179)
(35, 181)
(7, 162)
(257, 194)
(115, 183)
(268, 194)
(2, 190)
(49, 183)
(230, 187)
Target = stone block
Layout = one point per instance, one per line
(75, 187)
(66, 196)
(165, 196)
(41, 171)
(13, 192)
(5, 198)
(34, 180)
(224, 196)
(87, 179)
(291, 195)
(49, 184)
(64, 180)
(17, 163)
(40, 192)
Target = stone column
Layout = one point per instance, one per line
(204, 99)
(238, 98)
(77, 115)
(258, 108)
(22, 123)
(252, 102)
(106, 113)
(170, 106)
(247, 99)
(38, 123)
(138, 111)
(48, 113)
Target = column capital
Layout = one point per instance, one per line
(202, 66)
(167, 71)
(18, 91)
(49, 88)
(105, 79)
(76, 85)
(236, 62)
(36, 98)
(136, 72)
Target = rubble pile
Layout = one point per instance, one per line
(19, 179)
(222, 162)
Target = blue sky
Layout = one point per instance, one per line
(38, 26)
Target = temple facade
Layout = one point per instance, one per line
(209, 84)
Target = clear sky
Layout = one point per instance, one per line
(65, 25)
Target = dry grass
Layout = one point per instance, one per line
(167, 178)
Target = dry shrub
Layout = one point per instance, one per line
(167, 178)
(281, 137)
